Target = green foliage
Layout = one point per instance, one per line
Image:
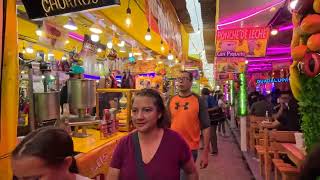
(310, 110)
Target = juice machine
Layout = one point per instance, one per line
(81, 99)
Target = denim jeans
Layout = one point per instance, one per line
(194, 154)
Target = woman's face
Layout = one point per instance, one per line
(144, 113)
(34, 168)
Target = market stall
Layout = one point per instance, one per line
(70, 65)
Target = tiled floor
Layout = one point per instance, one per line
(228, 164)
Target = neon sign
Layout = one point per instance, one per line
(273, 80)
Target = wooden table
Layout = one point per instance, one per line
(295, 154)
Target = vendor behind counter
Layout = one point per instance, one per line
(110, 99)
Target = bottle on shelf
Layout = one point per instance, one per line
(104, 124)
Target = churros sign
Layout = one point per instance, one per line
(242, 42)
(38, 9)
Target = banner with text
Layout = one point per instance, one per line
(242, 42)
(38, 9)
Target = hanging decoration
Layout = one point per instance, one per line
(231, 86)
(243, 95)
(305, 69)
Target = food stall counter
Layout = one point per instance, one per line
(85, 145)
(95, 154)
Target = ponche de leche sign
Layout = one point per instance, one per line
(242, 42)
(37, 9)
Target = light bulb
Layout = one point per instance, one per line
(246, 61)
(70, 25)
(293, 4)
(29, 50)
(162, 48)
(121, 44)
(274, 32)
(177, 61)
(148, 35)
(39, 32)
(130, 54)
(67, 42)
(128, 18)
(273, 9)
(170, 56)
(50, 54)
(95, 28)
(95, 37)
(99, 50)
(109, 45)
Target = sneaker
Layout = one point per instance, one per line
(214, 153)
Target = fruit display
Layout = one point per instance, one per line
(305, 44)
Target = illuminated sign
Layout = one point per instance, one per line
(242, 42)
(38, 9)
(275, 80)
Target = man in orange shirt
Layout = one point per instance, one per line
(189, 116)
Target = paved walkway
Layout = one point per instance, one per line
(228, 164)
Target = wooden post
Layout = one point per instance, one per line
(9, 86)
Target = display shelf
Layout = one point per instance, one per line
(128, 93)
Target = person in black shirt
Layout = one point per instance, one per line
(287, 117)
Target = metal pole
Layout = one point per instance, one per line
(32, 121)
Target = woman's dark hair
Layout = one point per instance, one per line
(205, 91)
(50, 144)
(311, 167)
(164, 121)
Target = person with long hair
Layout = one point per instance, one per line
(153, 151)
(45, 154)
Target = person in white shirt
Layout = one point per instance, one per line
(221, 125)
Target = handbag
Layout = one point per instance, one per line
(138, 157)
(217, 115)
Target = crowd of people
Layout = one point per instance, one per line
(279, 108)
(166, 142)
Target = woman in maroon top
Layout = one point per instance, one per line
(163, 151)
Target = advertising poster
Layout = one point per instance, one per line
(242, 42)
(54, 36)
(230, 65)
(196, 81)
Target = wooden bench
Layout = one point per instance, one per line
(287, 171)
(254, 131)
